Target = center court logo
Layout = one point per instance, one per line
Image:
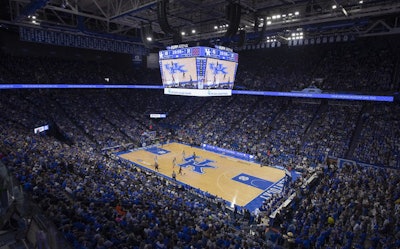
(197, 166)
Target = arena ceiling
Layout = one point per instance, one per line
(199, 20)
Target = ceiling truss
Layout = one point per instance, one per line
(204, 19)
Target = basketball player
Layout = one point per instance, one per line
(183, 156)
(194, 156)
(173, 162)
(173, 175)
(180, 170)
(156, 167)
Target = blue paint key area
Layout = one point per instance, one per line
(252, 181)
(158, 151)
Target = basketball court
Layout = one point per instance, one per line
(235, 180)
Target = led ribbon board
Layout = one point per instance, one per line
(360, 97)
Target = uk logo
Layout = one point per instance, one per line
(218, 68)
(175, 67)
(197, 166)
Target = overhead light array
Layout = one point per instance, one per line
(223, 26)
(33, 19)
(192, 31)
(296, 36)
(282, 17)
(271, 39)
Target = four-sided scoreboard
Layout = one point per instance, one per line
(198, 71)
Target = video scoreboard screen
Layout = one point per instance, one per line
(198, 71)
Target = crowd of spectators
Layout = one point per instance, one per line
(47, 166)
(363, 65)
(349, 207)
(380, 136)
(280, 69)
(248, 133)
(81, 187)
(50, 70)
(332, 131)
(98, 202)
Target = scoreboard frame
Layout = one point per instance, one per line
(198, 71)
